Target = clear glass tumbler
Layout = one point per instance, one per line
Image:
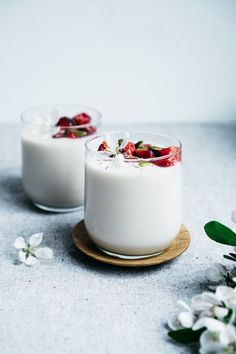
(53, 153)
(133, 192)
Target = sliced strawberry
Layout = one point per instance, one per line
(64, 122)
(163, 163)
(173, 150)
(144, 153)
(169, 161)
(71, 135)
(89, 130)
(60, 134)
(129, 149)
(82, 118)
(103, 146)
(146, 145)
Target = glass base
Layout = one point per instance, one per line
(123, 256)
(58, 210)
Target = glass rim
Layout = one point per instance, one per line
(179, 144)
(35, 108)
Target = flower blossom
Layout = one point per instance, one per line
(29, 252)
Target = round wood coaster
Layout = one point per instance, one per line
(85, 244)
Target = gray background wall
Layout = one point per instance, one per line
(134, 60)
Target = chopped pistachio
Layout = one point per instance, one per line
(156, 148)
(79, 133)
(143, 163)
(120, 141)
(138, 144)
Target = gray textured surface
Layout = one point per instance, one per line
(75, 305)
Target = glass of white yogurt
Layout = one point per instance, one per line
(53, 153)
(133, 192)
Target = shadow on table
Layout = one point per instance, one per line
(13, 195)
(96, 266)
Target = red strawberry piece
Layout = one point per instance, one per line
(170, 161)
(90, 130)
(82, 118)
(71, 135)
(60, 134)
(129, 149)
(64, 122)
(103, 146)
(173, 150)
(163, 163)
(144, 153)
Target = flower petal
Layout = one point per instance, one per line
(125, 138)
(44, 253)
(227, 295)
(117, 161)
(220, 312)
(30, 260)
(184, 305)
(228, 335)
(209, 343)
(22, 256)
(186, 319)
(19, 243)
(112, 140)
(211, 298)
(36, 239)
(174, 324)
(210, 323)
(205, 338)
(199, 303)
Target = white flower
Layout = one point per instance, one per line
(117, 160)
(207, 304)
(227, 295)
(209, 343)
(115, 142)
(112, 141)
(29, 253)
(185, 319)
(216, 273)
(218, 337)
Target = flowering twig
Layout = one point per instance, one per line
(211, 317)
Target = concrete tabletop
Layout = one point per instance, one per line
(73, 304)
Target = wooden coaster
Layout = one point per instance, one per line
(85, 244)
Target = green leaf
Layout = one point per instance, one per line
(229, 258)
(139, 144)
(220, 233)
(186, 335)
(227, 318)
(143, 163)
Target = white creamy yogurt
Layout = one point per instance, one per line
(132, 210)
(53, 170)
